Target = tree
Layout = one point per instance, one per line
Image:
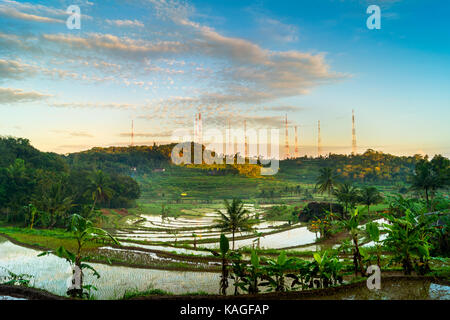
(54, 202)
(99, 188)
(351, 225)
(428, 177)
(369, 196)
(19, 186)
(83, 231)
(234, 219)
(326, 182)
(347, 195)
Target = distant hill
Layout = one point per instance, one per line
(19, 148)
(157, 176)
(371, 166)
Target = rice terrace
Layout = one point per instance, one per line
(216, 159)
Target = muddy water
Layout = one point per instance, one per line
(52, 273)
(396, 290)
(10, 298)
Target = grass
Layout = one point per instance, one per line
(49, 239)
(130, 294)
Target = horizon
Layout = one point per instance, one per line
(313, 156)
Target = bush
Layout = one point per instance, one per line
(317, 210)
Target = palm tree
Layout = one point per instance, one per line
(347, 195)
(326, 182)
(370, 196)
(99, 188)
(55, 202)
(234, 219)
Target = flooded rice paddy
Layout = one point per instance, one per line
(401, 289)
(52, 273)
(162, 235)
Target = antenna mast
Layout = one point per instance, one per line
(245, 140)
(132, 133)
(286, 145)
(353, 134)
(319, 142)
(296, 142)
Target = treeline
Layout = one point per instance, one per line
(371, 166)
(142, 160)
(43, 189)
(123, 159)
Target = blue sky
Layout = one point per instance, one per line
(159, 62)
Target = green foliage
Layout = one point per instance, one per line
(43, 189)
(351, 226)
(224, 245)
(83, 230)
(234, 219)
(326, 181)
(247, 276)
(13, 279)
(373, 234)
(398, 205)
(429, 176)
(409, 239)
(347, 195)
(275, 272)
(324, 271)
(369, 196)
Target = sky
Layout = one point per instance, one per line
(159, 62)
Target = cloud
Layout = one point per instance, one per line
(253, 121)
(81, 134)
(36, 8)
(163, 134)
(114, 45)
(236, 70)
(13, 13)
(74, 133)
(125, 23)
(249, 74)
(282, 108)
(39, 10)
(256, 74)
(9, 96)
(10, 69)
(277, 30)
(94, 105)
(11, 42)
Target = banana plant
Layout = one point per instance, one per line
(409, 240)
(246, 276)
(373, 234)
(83, 231)
(224, 249)
(352, 226)
(275, 272)
(327, 269)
